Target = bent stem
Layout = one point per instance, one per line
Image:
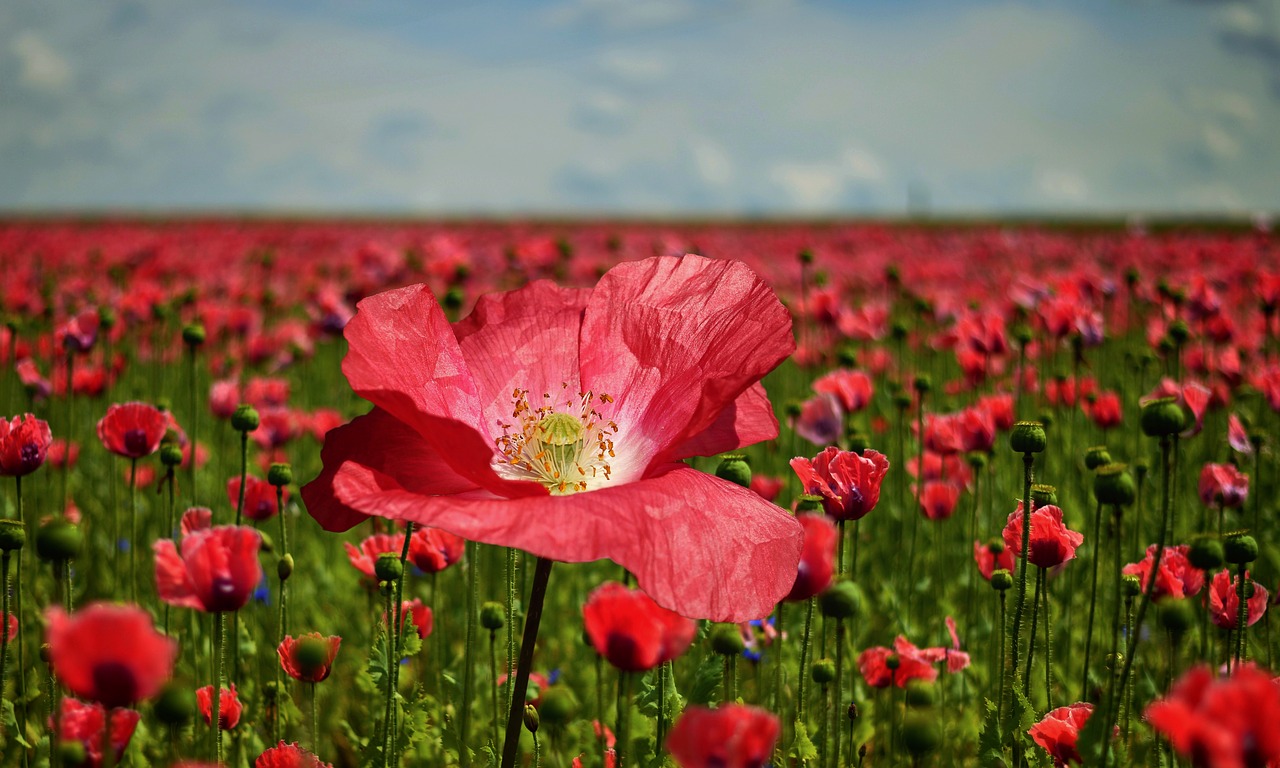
(533, 617)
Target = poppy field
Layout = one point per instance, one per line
(389, 493)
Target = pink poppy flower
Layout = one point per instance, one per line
(848, 483)
(554, 420)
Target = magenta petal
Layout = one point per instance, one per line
(747, 421)
(675, 341)
(698, 545)
(381, 440)
(404, 359)
(526, 339)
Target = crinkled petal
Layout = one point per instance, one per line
(698, 545)
(747, 421)
(172, 583)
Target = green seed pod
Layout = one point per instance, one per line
(176, 705)
(1028, 437)
(977, 460)
(280, 475)
(847, 358)
(898, 330)
(902, 401)
(311, 654)
(1179, 331)
(492, 616)
(726, 640)
(1206, 553)
(1176, 616)
(245, 418)
(996, 545)
(920, 733)
(1043, 495)
(1096, 457)
(559, 705)
(13, 535)
(734, 468)
(531, 720)
(840, 600)
(922, 384)
(72, 752)
(171, 454)
(858, 442)
(805, 256)
(106, 318)
(453, 299)
(892, 662)
(809, 502)
(1163, 417)
(1130, 586)
(793, 410)
(193, 335)
(388, 567)
(284, 567)
(58, 540)
(1114, 485)
(1001, 580)
(823, 671)
(920, 695)
(1240, 548)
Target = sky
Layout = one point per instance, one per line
(641, 107)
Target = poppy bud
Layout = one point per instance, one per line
(46, 653)
(193, 335)
(1166, 346)
(1179, 331)
(1044, 495)
(809, 503)
(793, 410)
(847, 358)
(72, 752)
(1176, 616)
(734, 468)
(840, 601)
(284, 567)
(1163, 417)
(531, 720)
(902, 401)
(58, 540)
(862, 752)
(996, 546)
(922, 384)
(805, 256)
(164, 404)
(245, 418)
(1028, 437)
(919, 694)
(1130, 586)
(170, 454)
(1114, 485)
(1206, 553)
(726, 640)
(388, 567)
(977, 460)
(1240, 548)
(559, 705)
(892, 662)
(265, 543)
(852, 713)
(106, 318)
(1046, 419)
(13, 535)
(311, 654)
(823, 671)
(1001, 580)
(898, 330)
(920, 734)
(492, 616)
(176, 705)
(453, 299)
(858, 443)
(280, 475)
(1114, 661)
(1096, 457)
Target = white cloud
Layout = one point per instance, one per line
(714, 165)
(41, 67)
(1062, 186)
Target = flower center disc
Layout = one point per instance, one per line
(566, 452)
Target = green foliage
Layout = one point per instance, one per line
(706, 681)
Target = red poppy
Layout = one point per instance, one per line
(63, 453)
(817, 559)
(224, 397)
(267, 392)
(849, 484)
(79, 333)
(767, 486)
(432, 550)
(259, 497)
(1052, 542)
(877, 665)
(1000, 406)
(366, 555)
(288, 756)
(731, 736)
(110, 654)
(1178, 578)
(24, 445)
(276, 427)
(1237, 437)
(196, 519)
(820, 421)
(309, 657)
(1223, 484)
(12, 627)
(36, 385)
(229, 707)
(659, 362)
(421, 616)
(1105, 410)
(632, 631)
(989, 561)
(938, 500)
(217, 571)
(1059, 730)
(132, 430)
(78, 721)
(976, 428)
(1224, 600)
(1229, 722)
(852, 388)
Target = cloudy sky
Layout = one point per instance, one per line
(641, 106)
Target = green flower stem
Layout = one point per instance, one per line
(622, 722)
(195, 421)
(1028, 463)
(66, 465)
(493, 673)
(468, 659)
(1093, 602)
(1031, 641)
(315, 722)
(533, 617)
(511, 626)
(839, 688)
(778, 661)
(4, 616)
(388, 725)
(1048, 644)
(217, 686)
(1000, 645)
(804, 658)
(1242, 623)
(662, 710)
(133, 530)
(244, 471)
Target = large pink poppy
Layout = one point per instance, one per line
(554, 420)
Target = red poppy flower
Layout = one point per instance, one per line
(259, 497)
(553, 420)
(1059, 730)
(1000, 406)
(990, 561)
(288, 756)
(942, 434)
(217, 571)
(229, 707)
(432, 550)
(632, 631)
(821, 421)
(939, 498)
(1237, 437)
(876, 665)
(110, 654)
(366, 555)
(1178, 578)
(1225, 723)
(1105, 410)
(849, 484)
(132, 430)
(767, 486)
(1224, 600)
(36, 385)
(817, 559)
(976, 428)
(1223, 484)
(309, 657)
(421, 616)
(63, 453)
(24, 445)
(224, 397)
(852, 388)
(196, 519)
(12, 627)
(80, 332)
(78, 721)
(1052, 542)
(731, 736)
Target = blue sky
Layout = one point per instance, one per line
(638, 107)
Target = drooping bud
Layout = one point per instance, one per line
(823, 671)
(531, 719)
(284, 567)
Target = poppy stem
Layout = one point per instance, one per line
(195, 414)
(66, 466)
(1243, 612)
(468, 657)
(315, 722)
(1031, 641)
(777, 667)
(533, 617)
(493, 673)
(1048, 645)
(804, 658)
(284, 551)
(1000, 695)
(1028, 464)
(839, 689)
(388, 716)
(217, 686)
(1093, 603)
(662, 709)
(4, 617)
(622, 723)
(133, 530)
(511, 627)
(244, 471)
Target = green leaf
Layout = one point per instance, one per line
(802, 748)
(10, 721)
(991, 742)
(706, 681)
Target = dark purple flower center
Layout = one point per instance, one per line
(115, 684)
(136, 443)
(29, 458)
